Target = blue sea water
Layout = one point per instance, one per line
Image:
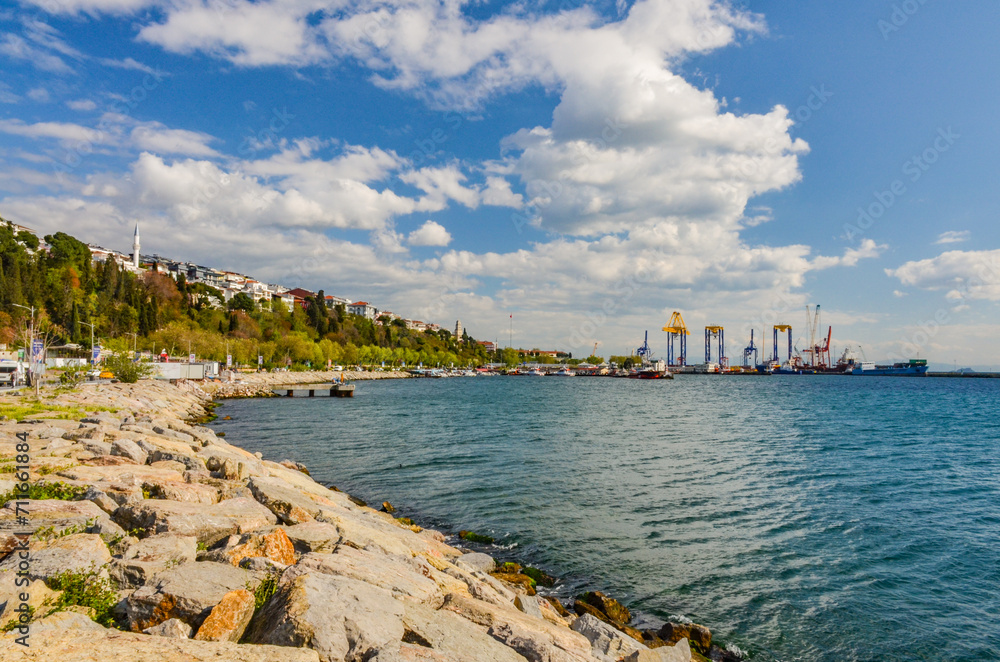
(800, 518)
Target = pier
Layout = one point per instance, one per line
(314, 391)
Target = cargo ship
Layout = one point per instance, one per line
(912, 368)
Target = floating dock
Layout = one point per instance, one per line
(315, 391)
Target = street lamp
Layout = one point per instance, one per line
(135, 342)
(31, 344)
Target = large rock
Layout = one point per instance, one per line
(340, 618)
(187, 492)
(403, 577)
(477, 561)
(208, 523)
(607, 642)
(130, 449)
(100, 644)
(133, 474)
(51, 517)
(291, 506)
(151, 556)
(172, 627)
(274, 545)
(614, 610)
(452, 637)
(679, 652)
(76, 553)
(185, 592)
(699, 635)
(529, 636)
(229, 619)
(313, 537)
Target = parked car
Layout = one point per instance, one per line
(106, 374)
(12, 373)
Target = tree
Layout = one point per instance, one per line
(510, 357)
(242, 301)
(596, 360)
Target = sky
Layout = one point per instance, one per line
(553, 174)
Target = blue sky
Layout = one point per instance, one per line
(587, 167)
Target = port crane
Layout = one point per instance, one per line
(748, 351)
(819, 355)
(782, 328)
(718, 334)
(676, 328)
(645, 352)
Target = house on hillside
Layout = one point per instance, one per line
(363, 309)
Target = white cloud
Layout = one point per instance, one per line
(91, 6)
(499, 194)
(867, 250)
(155, 137)
(430, 234)
(18, 48)
(440, 185)
(39, 94)
(953, 237)
(82, 105)
(58, 130)
(963, 274)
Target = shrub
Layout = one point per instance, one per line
(127, 370)
(86, 589)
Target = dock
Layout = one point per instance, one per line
(314, 391)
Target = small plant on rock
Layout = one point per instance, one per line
(86, 589)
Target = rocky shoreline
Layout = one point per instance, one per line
(259, 384)
(151, 538)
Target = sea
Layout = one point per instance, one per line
(819, 518)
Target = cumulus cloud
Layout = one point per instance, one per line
(81, 105)
(155, 137)
(429, 234)
(961, 274)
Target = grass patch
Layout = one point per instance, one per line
(264, 591)
(86, 589)
(472, 536)
(40, 491)
(34, 409)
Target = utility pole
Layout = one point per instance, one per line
(31, 345)
(92, 357)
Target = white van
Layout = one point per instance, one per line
(11, 373)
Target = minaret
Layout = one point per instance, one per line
(458, 330)
(135, 248)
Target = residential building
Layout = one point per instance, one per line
(363, 309)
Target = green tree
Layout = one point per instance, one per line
(242, 301)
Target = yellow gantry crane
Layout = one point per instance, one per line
(676, 328)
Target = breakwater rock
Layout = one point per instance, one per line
(151, 538)
(260, 384)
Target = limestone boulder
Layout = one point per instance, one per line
(273, 545)
(290, 505)
(477, 561)
(39, 596)
(77, 553)
(98, 643)
(533, 637)
(313, 537)
(229, 619)
(339, 618)
(186, 592)
(148, 557)
(403, 577)
(452, 637)
(63, 621)
(186, 492)
(133, 474)
(679, 652)
(56, 515)
(173, 628)
(130, 449)
(607, 642)
(207, 523)
(614, 611)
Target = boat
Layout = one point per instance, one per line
(651, 370)
(565, 372)
(535, 373)
(912, 368)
